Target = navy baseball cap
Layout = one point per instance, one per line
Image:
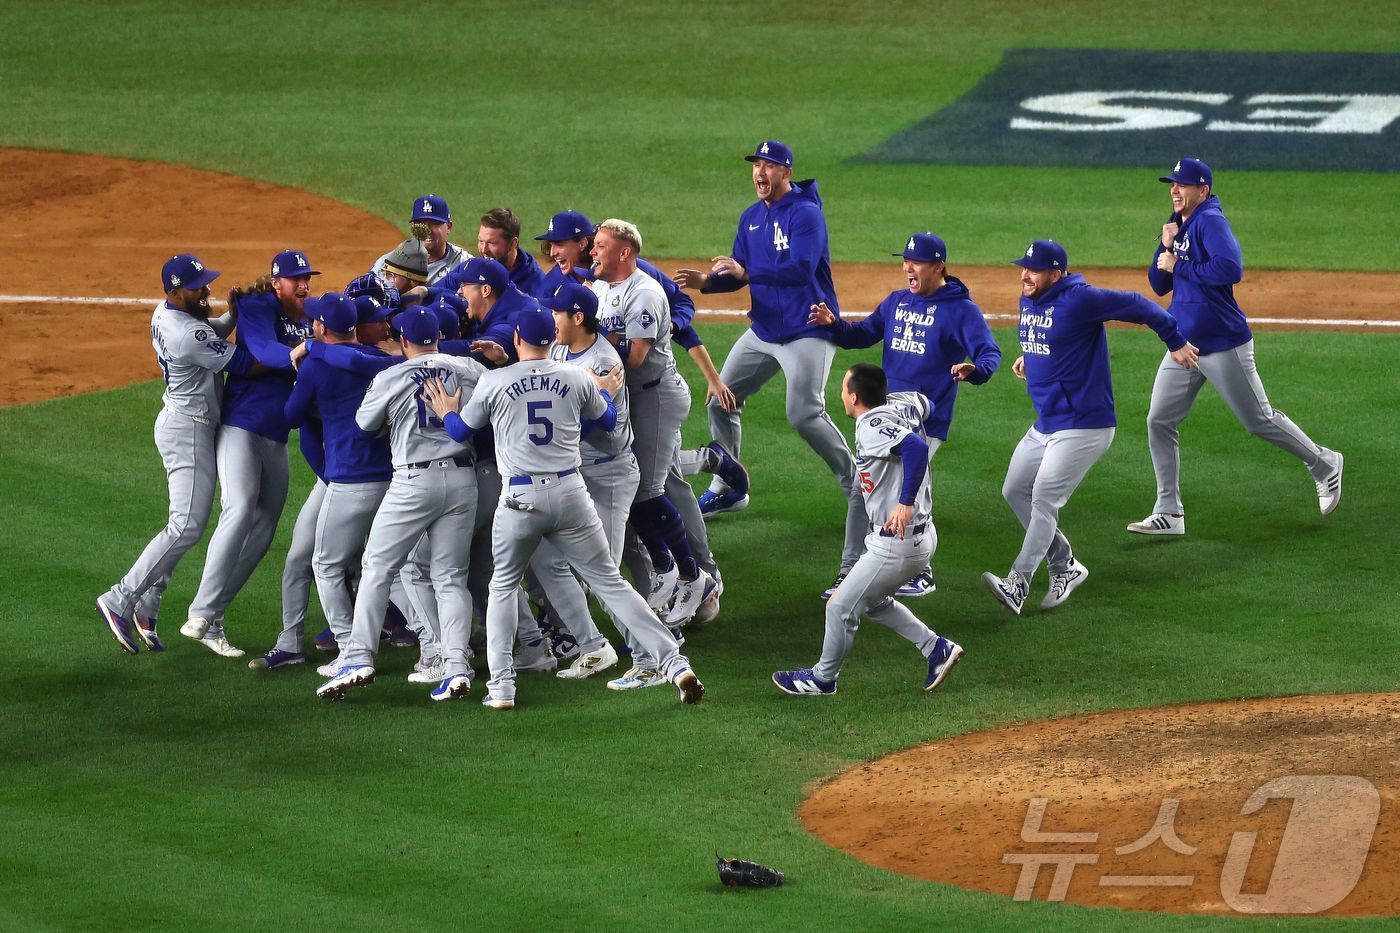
(1190, 172)
(431, 207)
(482, 271)
(567, 225)
(1044, 254)
(334, 310)
(772, 151)
(572, 297)
(369, 309)
(449, 309)
(291, 263)
(185, 271)
(925, 247)
(535, 326)
(419, 325)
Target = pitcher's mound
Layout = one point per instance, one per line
(1260, 806)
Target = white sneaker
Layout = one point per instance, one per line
(1011, 592)
(637, 678)
(1160, 523)
(452, 688)
(494, 702)
(689, 595)
(1062, 584)
(535, 656)
(352, 675)
(1329, 490)
(195, 628)
(708, 611)
(663, 590)
(220, 646)
(586, 665)
(431, 672)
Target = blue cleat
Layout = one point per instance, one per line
(351, 675)
(325, 640)
(274, 659)
(146, 629)
(712, 503)
(835, 585)
(729, 469)
(940, 662)
(120, 627)
(803, 683)
(452, 688)
(922, 585)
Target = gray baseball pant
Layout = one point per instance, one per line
(187, 450)
(1045, 471)
(297, 573)
(342, 529)
(439, 501)
(559, 510)
(253, 476)
(488, 495)
(1235, 377)
(886, 564)
(411, 589)
(657, 414)
(806, 365)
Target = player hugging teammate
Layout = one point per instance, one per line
(488, 437)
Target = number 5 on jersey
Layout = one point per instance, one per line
(537, 414)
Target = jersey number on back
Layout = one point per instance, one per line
(426, 419)
(537, 413)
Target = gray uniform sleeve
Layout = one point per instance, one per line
(374, 410)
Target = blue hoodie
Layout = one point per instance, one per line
(784, 250)
(1066, 350)
(254, 403)
(924, 337)
(498, 326)
(527, 274)
(333, 396)
(1203, 285)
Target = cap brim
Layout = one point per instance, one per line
(1026, 264)
(431, 218)
(203, 279)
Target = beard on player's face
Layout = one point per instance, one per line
(292, 292)
(195, 302)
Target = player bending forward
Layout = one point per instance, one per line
(537, 409)
(892, 459)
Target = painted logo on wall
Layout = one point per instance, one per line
(1236, 110)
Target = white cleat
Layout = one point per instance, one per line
(220, 646)
(586, 665)
(351, 675)
(1329, 490)
(1160, 523)
(452, 688)
(1062, 584)
(536, 656)
(663, 590)
(689, 595)
(432, 672)
(636, 678)
(195, 628)
(1011, 592)
(330, 667)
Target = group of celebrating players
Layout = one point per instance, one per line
(486, 433)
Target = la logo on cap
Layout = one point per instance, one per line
(763, 148)
(1030, 250)
(197, 266)
(275, 270)
(911, 243)
(427, 207)
(301, 260)
(551, 225)
(1178, 167)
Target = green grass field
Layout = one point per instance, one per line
(185, 792)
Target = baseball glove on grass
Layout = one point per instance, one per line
(735, 873)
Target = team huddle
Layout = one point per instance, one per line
(493, 442)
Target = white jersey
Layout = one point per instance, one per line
(416, 435)
(192, 353)
(453, 257)
(602, 359)
(535, 408)
(637, 307)
(878, 432)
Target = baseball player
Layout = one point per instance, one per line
(431, 224)
(252, 449)
(192, 350)
(1198, 262)
(893, 456)
(493, 302)
(433, 491)
(405, 267)
(929, 331)
(536, 408)
(634, 311)
(1064, 361)
(780, 252)
(498, 238)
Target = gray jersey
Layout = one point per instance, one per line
(192, 352)
(637, 307)
(602, 359)
(878, 432)
(535, 407)
(453, 257)
(415, 433)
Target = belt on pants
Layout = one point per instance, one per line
(601, 460)
(527, 480)
(651, 385)
(444, 463)
(914, 531)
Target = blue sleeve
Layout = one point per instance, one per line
(1225, 265)
(241, 363)
(1107, 305)
(976, 339)
(502, 334)
(312, 442)
(343, 356)
(257, 330)
(457, 429)
(455, 347)
(687, 337)
(797, 265)
(1162, 282)
(859, 335)
(913, 452)
(607, 420)
(300, 402)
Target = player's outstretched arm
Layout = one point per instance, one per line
(715, 386)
